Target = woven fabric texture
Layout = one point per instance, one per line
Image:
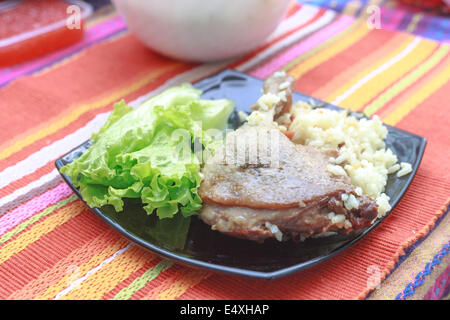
(53, 247)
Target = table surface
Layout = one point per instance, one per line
(416, 264)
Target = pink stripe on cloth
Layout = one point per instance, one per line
(28, 209)
(303, 46)
(92, 35)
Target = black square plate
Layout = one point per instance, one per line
(214, 251)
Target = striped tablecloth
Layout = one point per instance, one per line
(53, 247)
(394, 15)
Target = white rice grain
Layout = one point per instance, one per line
(405, 169)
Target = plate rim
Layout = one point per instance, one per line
(271, 275)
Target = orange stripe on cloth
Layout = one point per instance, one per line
(66, 266)
(435, 58)
(125, 284)
(99, 256)
(179, 287)
(406, 107)
(45, 243)
(24, 239)
(111, 274)
(434, 129)
(332, 78)
(398, 100)
(368, 84)
(403, 43)
(162, 283)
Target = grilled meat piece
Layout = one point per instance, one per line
(260, 184)
(295, 192)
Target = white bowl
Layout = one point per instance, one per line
(202, 30)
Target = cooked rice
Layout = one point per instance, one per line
(363, 155)
(405, 169)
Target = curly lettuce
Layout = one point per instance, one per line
(146, 153)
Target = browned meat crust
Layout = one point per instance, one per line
(294, 176)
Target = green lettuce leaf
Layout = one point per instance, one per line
(146, 153)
